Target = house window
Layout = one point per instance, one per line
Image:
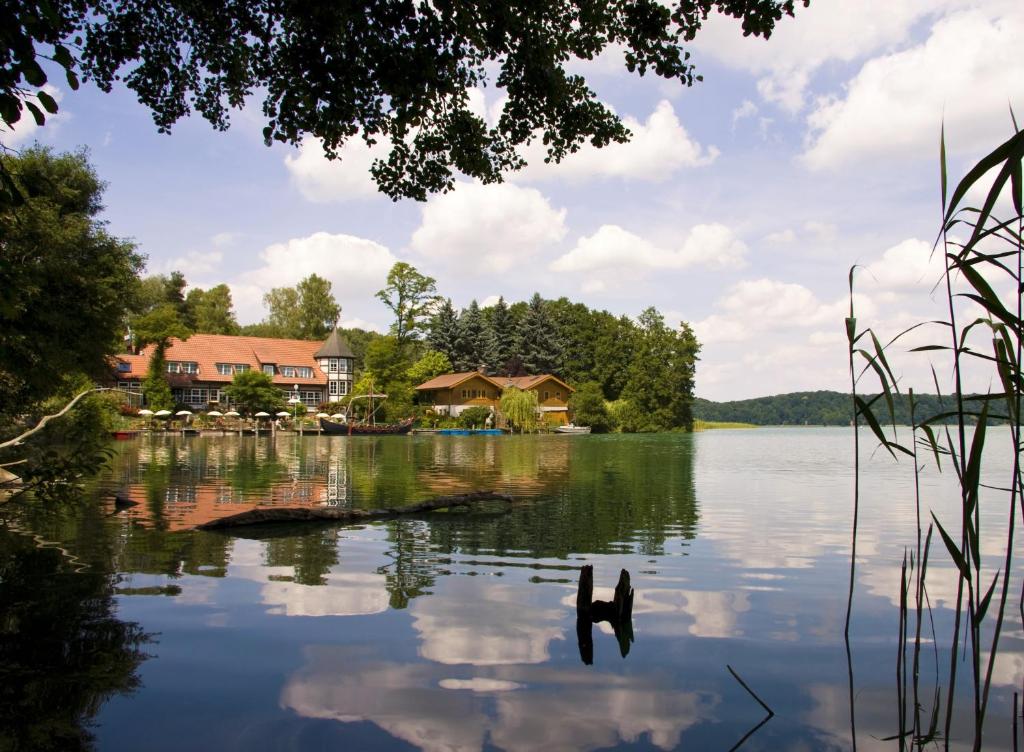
(333, 365)
(288, 371)
(305, 372)
(332, 387)
(311, 399)
(558, 395)
(546, 394)
(225, 369)
(241, 367)
(268, 368)
(343, 387)
(123, 367)
(215, 395)
(463, 394)
(345, 365)
(182, 366)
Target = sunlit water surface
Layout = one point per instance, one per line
(457, 631)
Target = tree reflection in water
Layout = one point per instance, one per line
(63, 653)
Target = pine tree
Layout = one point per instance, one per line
(473, 339)
(443, 333)
(536, 343)
(503, 336)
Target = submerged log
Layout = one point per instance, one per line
(264, 515)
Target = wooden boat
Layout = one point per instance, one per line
(365, 429)
(572, 429)
(124, 435)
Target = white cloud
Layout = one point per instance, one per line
(909, 265)
(745, 110)
(357, 323)
(194, 263)
(782, 237)
(819, 34)
(659, 147)
(487, 228)
(965, 74)
(323, 180)
(613, 248)
(353, 266)
(26, 128)
(753, 307)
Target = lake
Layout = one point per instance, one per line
(129, 630)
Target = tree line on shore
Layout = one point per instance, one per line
(630, 375)
(820, 408)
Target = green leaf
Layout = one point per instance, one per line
(48, 102)
(930, 433)
(36, 113)
(942, 163)
(954, 552)
(983, 605)
(864, 409)
(33, 73)
(996, 156)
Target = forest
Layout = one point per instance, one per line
(821, 408)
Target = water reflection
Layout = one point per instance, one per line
(512, 707)
(455, 630)
(63, 652)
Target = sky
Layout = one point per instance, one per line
(739, 205)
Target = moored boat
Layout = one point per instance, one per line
(570, 428)
(365, 429)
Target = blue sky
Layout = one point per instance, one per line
(739, 206)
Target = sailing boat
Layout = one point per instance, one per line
(369, 426)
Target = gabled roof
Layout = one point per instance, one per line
(450, 380)
(531, 382)
(335, 346)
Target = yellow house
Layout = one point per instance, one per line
(452, 393)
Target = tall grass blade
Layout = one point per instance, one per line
(954, 552)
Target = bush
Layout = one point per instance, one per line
(628, 417)
(474, 417)
(589, 409)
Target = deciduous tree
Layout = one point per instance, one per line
(211, 311)
(410, 296)
(65, 281)
(254, 391)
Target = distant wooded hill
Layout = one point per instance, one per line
(808, 408)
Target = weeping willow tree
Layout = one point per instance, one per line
(520, 409)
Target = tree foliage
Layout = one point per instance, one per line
(443, 331)
(660, 377)
(306, 311)
(387, 71)
(588, 408)
(536, 342)
(65, 282)
(520, 409)
(211, 311)
(254, 391)
(474, 341)
(410, 296)
(431, 364)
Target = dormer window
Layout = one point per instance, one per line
(182, 366)
(268, 368)
(301, 372)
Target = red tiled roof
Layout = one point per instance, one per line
(207, 350)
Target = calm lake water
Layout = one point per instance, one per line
(457, 631)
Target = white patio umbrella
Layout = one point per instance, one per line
(162, 413)
(262, 414)
(183, 412)
(337, 415)
(322, 415)
(283, 414)
(145, 412)
(215, 414)
(231, 414)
